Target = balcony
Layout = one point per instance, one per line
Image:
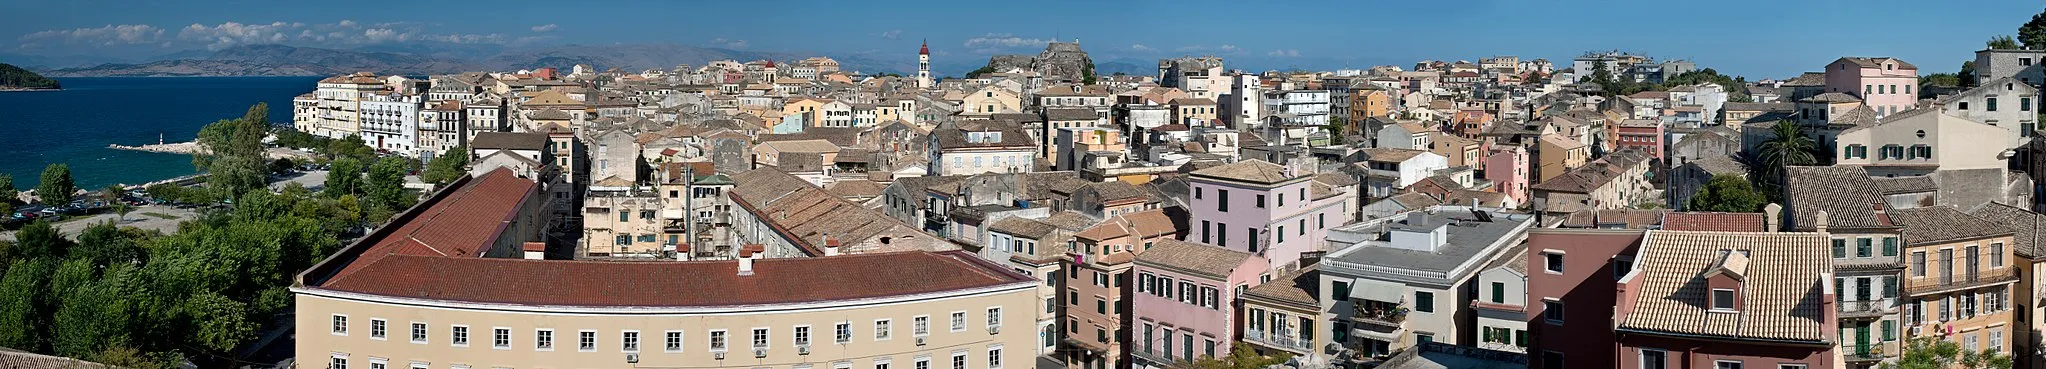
(1380, 314)
(1862, 353)
(1280, 341)
(1950, 282)
(1867, 309)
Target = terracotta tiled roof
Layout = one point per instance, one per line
(1255, 171)
(2025, 225)
(1300, 287)
(508, 141)
(464, 223)
(1845, 193)
(1213, 262)
(803, 213)
(675, 284)
(1942, 224)
(1714, 221)
(1781, 287)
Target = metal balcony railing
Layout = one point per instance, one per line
(1866, 308)
(1965, 281)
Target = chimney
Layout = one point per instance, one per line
(830, 245)
(746, 256)
(1821, 223)
(535, 250)
(1773, 219)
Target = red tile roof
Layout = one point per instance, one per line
(463, 223)
(1714, 222)
(675, 284)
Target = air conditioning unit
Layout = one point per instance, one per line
(802, 349)
(631, 358)
(719, 355)
(994, 329)
(920, 340)
(759, 353)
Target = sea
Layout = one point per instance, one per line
(75, 125)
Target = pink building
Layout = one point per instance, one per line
(1506, 166)
(1184, 303)
(1887, 85)
(1642, 134)
(1264, 209)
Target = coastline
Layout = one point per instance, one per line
(19, 89)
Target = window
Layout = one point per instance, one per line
(759, 338)
(1260, 201)
(459, 335)
(1100, 305)
(1424, 301)
(418, 332)
(1552, 359)
(1863, 247)
(1918, 263)
(586, 341)
(672, 342)
(802, 335)
(843, 333)
(994, 317)
(923, 325)
(1553, 262)
(717, 340)
(500, 338)
(376, 328)
(1726, 364)
(2024, 104)
(340, 362)
(994, 357)
(543, 340)
(1222, 200)
(1498, 293)
(959, 360)
(1840, 246)
(1722, 299)
(1552, 311)
(1996, 254)
(341, 327)
(1989, 104)
(1889, 246)
(628, 341)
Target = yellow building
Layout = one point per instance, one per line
(1370, 103)
(442, 288)
(1959, 274)
(1556, 154)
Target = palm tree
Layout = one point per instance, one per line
(1789, 147)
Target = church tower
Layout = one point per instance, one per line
(923, 66)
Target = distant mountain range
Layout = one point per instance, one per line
(281, 60)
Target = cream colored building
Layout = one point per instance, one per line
(436, 290)
(338, 112)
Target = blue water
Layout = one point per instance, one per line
(74, 126)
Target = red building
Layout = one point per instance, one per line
(1644, 134)
(1570, 294)
(1728, 300)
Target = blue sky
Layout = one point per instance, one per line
(1757, 38)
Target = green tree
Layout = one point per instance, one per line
(352, 147)
(93, 317)
(344, 176)
(1336, 130)
(2033, 33)
(1967, 74)
(1241, 356)
(1727, 193)
(2001, 42)
(56, 188)
(7, 190)
(1929, 353)
(386, 183)
(22, 305)
(1789, 146)
(220, 322)
(104, 244)
(12, 76)
(447, 167)
(40, 239)
(234, 156)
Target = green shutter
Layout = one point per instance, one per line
(1862, 246)
(1839, 248)
(1498, 293)
(1520, 338)
(1342, 291)
(1889, 330)
(1889, 246)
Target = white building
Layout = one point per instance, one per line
(2006, 103)
(1244, 104)
(1297, 107)
(391, 123)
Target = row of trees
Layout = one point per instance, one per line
(146, 299)
(1736, 87)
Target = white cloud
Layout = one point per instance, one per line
(347, 23)
(892, 34)
(1223, 49)
(112, 34)
(380, 34)
(1284, 53)
(1141, 47)
(545, 27)
(729, 44)
(1003, 40)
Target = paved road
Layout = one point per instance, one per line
(312, 180)
(140, 218)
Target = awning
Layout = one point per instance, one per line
(1392, 337)
(1380, 291)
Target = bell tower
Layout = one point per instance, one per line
(923, 66)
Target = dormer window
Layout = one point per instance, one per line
(1722, 299)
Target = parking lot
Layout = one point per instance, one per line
(152, 217)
